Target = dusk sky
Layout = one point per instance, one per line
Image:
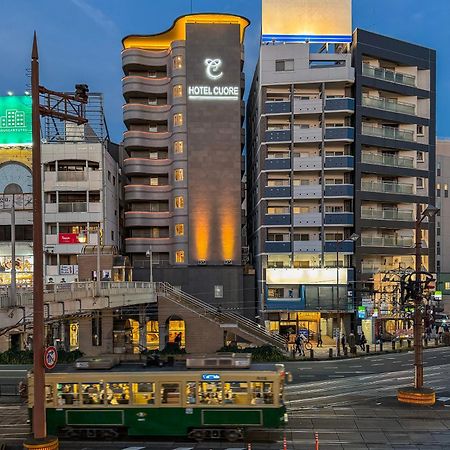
(80, 40)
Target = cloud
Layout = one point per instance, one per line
(96, 15)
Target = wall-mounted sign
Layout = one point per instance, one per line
(210, 377)
(15, 121)
(361, 312)
(68, 238)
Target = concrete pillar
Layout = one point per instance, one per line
(162, 336)
(142, 328)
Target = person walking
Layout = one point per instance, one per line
(299, 345)
(352, 343)
(362, 341)
(343, 341)
(319, 339)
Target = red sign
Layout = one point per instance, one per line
(50, 357)
(68, 238)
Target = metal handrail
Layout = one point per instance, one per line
(245, 324)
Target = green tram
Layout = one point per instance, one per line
(200, 404)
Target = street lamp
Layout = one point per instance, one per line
(354, 237)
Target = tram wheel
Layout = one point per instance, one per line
(197, 435)
(233, 435)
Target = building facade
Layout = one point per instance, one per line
(340, 150)
(184, 112)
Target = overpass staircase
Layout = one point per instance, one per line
(229, 321)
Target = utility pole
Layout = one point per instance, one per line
(13, 255)
(64, 107)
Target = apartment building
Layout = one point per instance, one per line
(81, 184)
(183, 90)
(340, 149)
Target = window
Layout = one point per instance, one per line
(179, 229)
(92, 393)
(170, 393)
(262, 393)
(114, 180)
(109, 175)
(438, 248)
(117, 393)
(210, 393)
(420, 183)
(284, 65)
(178, 147)
(67, 394)
(153, 155)
(438, 266)
(154, 181)
(235, 392)
(179, 256)
(275, 292)
(178, 120)
(420, 130)
(447, 285)
(438, 190)
(301, 237)
(178, 90)
(421, 158)
(218, 291)
(143, 393)
(179, 202)
(178, 62)
(446, 190)
(179, 174)
(191, 393)
(112, 235)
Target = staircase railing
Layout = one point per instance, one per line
(216, 315)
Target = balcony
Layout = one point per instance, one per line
(277, 219)
(342, 246)
(72, 207)
(339, 190)
(340, 104)
(387, 160)
(388, 187)
(146, 139)
(339, 134)
(307, 106)
(277, 192)
(277, 107)
(344, 218)
(388, 132)
(388, 75)
(308, 191)
(387, 241)
(277, 247)
(305, 163)
(339, 162)
(308, 220)
(308, 246)
(387, 214)
(280, 135)
(387, 104)
(71, 176)
(277, 163)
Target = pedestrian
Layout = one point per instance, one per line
(362, 341)
(177, 340)
(319, 339)
(299, 346)
(343, 341)
(352, 342)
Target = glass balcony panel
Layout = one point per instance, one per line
(388, 75)
(387, 160)
(389, 105)
(387, 132)
(387, 187)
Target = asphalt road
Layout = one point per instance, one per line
(350, 403)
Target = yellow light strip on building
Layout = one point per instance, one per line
(177, 32)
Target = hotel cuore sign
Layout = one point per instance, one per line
(315, 21)
(15, 121)
(214, 71)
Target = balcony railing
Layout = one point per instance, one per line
(387, 187)
(386, 214)
(388, 75)
(387, 160)
(388, 104)
(386, 241)
(388, 132)
(71, 176)
(72, 207)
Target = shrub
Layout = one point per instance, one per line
(265, 353)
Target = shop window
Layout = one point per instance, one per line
(178, 90)
(235, 393)
(191, 392)
(67, 394)
(179, 174)
(117, 393)
(170, 393)
(178, 120)
(178, 146)
(210, 393)
(92, 393)
(179, 229)
(178, 62)
(143, 393)
(447, 285)
(275, 292)
(179, 202)
(262, 393)
(179, 256)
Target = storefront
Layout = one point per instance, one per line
(24, 264)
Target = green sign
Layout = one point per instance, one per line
(15, 121)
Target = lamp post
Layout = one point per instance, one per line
(354, 237)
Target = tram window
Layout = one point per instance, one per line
(144, 393)
(170, 393)
(117, 393)
(191, 392)
(235, 392)
(92, 394)
(67, 394)
(210, 393)
(262, 393)
(48, 393)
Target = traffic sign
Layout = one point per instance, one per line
(50, 357)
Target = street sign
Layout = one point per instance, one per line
(50, 357)
(438, 295)
(210, 377)
(361, 312)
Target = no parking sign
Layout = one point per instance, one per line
(50, 357)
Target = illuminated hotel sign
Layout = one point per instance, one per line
(15, 121)
(214, 72)
(306, 276)
(314, 21)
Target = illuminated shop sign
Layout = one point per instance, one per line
(214, 72)
(15, 121)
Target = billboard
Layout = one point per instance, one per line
(315, 21)
(15, 121)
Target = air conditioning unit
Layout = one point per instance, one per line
(201, 262)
